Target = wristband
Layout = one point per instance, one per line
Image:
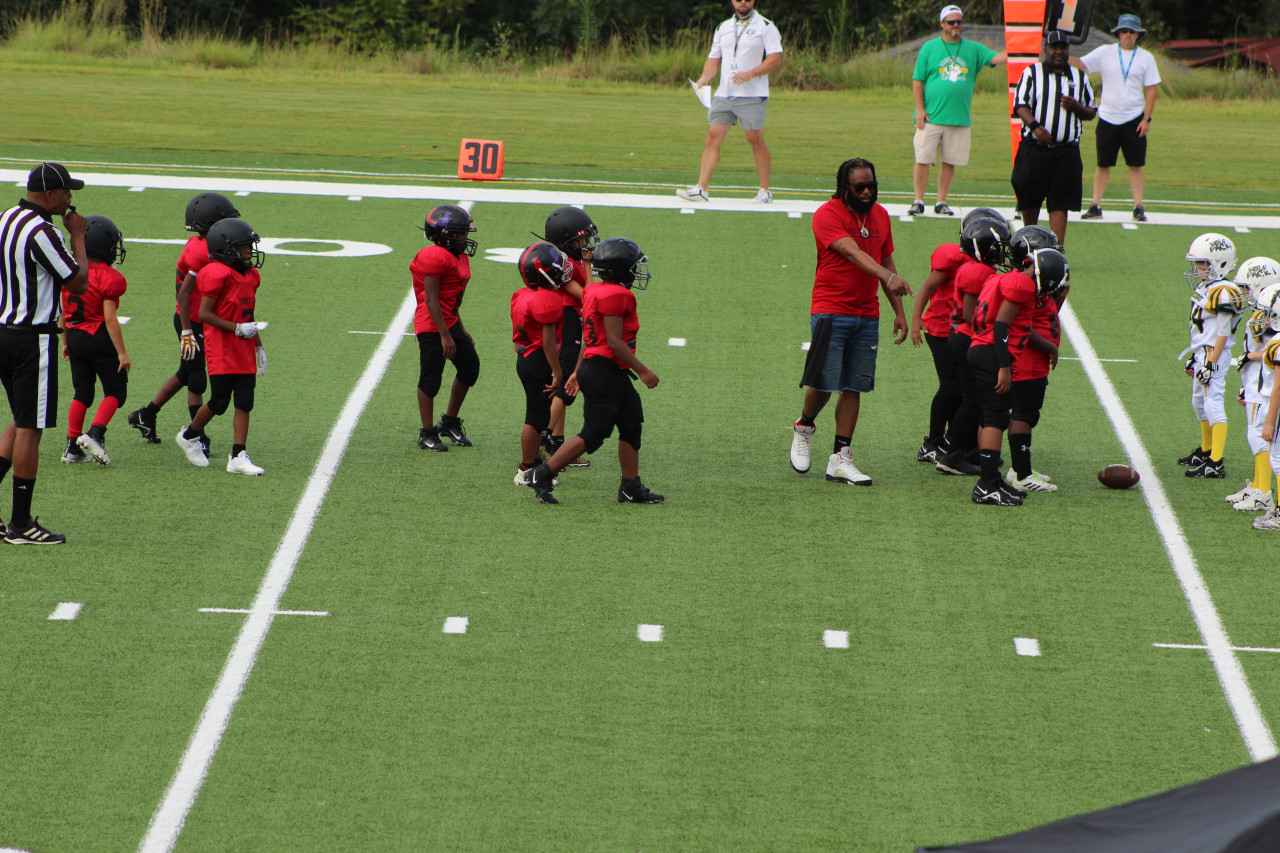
(1147, 119)
(1034, 124)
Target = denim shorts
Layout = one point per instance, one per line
(842, 355)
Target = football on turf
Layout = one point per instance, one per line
(1118, 477)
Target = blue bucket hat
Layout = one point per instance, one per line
(1129, 22)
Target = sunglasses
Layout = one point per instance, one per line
(1122, 32)
(958, 23)
(861, 187)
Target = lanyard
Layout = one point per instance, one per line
(1125, 70)
(737, 34)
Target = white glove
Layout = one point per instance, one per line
(246, 330)
(262, 360)
(1204, 373)
(190, 346)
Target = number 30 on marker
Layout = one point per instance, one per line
(480, 160)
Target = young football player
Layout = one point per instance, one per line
(1256, 277)
(1031, 366)
(984, 238)
(571, 231)
(203, 211)
(441, 272)
(933, 307)
(610, 325)
(228, 290)
(1001, 322)
(537, 316)
(1269, 303)
(1216, 305)
(93, 343)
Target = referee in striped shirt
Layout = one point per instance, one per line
(1051, 100)
(34, 268)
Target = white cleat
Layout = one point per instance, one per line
(94, 448)
(763, 197)
(840, 469)
(1270, 520)
(800, 442)
(694, 193)
(193, 449)
(1033, 482)
(240, 464)
(1254, 501)
(1239, 496)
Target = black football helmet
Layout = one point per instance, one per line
(571, 231)
(1026, 240)
(544, 265)
(225, 239)
(1049, 269)
(982, 213)
(985, 240)
(206, 209)
(448, 226)
(103, 240)
(619, 261)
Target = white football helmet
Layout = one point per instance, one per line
(1217, 251)
(1257, 274)
(1269, 304)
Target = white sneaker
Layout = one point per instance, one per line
(1269, 520)
(1239, 496)
(800, 446)
(240, 464)
(840, 469)
(94, 448)
(193, 449)
(1033, 482)
(694, 193)
(763, 197)
(522, 477)
(1254, 501)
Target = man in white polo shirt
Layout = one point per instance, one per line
(750, 47)
(1129, 81)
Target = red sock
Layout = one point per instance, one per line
(75, 419)
(106, 411)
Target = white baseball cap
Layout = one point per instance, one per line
(948, 11)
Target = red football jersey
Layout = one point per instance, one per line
(1030, 362)
(235, 295)
(582, 275)
(195, 256)
(84, 312)
(452, 271)
(969, 279)
(1015, 287)
(839, 287)
(946, 259)
(530, 311)
(601, 300)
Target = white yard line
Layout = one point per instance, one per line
(166, 823)
(1244, 706)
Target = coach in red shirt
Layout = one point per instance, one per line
(855, 260)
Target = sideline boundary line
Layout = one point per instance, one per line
(1235, 685)
(171, 815)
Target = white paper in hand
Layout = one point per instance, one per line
(703, 94)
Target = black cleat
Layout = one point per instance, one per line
(543, 480)
(634, 492)
(1012, 490)
(429, 439)
(957, 462)
(147, 426)
(1208, 470)
(451, 428)
(928, 451)
(32, 533)
(991, 493)
(1195, 458)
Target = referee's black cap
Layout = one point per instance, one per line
(1057, 37)
(52, 176)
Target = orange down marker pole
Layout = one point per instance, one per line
(1023, 34)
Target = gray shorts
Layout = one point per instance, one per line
(748, 111)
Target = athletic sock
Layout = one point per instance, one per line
(75, 418)
(236, 450)
(842, 441)
(805, 420)
(106, 411)
(22, 490)
(989, 462)
(1262, 471)
(1218, 441)
(1206, 436)
(151, 410)
(193, 410)
(1020, 451)
(5, 465)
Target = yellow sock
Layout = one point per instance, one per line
(1206, 436)
(1262, 471)
(1219, 439)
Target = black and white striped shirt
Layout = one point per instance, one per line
(34, 264)
(1039, 90)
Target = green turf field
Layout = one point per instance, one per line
(549, 725)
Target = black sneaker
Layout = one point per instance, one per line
(32, 533)
(1094, 212)
(1195, 458)
(928, 451)
(1139, 215)
(543, 481)
(147, 426)
(942, 210)
(1208, 470)
(956, 462)
(74, 454)
(451, 428)
(991, 493)
(429, 439)
(634, 492)
(916, 208)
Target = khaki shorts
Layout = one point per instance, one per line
(953, 139)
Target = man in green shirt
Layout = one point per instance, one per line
(942, 86)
